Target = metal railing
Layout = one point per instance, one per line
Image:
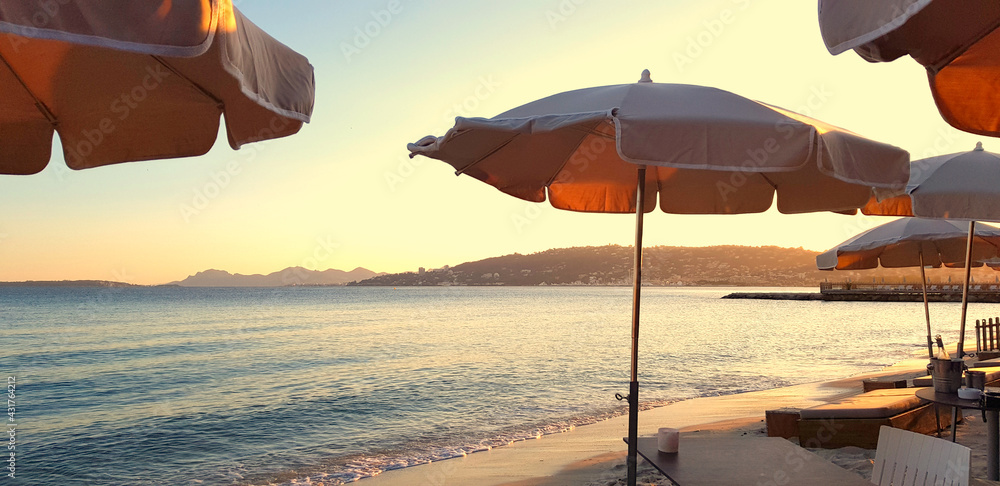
(897, 287)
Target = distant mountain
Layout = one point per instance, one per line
(67, 283)
(662, 265)
(287, 277)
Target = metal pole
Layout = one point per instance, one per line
(965, 288)
(927, 312)
(633, 388)
(992, 442)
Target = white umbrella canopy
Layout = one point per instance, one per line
(709, 152)
(613, 149)
(135, 81)
(958, 186)
(913, 242)
(957, 41)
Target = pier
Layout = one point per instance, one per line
(883, 292)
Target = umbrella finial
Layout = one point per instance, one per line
(645, 77)
(979, 147)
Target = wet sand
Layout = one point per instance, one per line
(595, 454)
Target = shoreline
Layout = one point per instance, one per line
(595, 452)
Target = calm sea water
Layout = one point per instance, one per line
(175, 386)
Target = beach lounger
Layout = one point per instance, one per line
(907, 458)
(856, 420)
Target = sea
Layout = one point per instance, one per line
(329, 385)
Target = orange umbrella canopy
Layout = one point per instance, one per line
(129, 81)
(956, 40)
(708, 151)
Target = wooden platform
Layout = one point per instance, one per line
(835, 433)
(862, 296)
(885, 292)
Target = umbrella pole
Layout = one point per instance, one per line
(927, 311)
(965, 288)
(633, 390)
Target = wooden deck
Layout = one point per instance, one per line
(883, 292)
(862, 297)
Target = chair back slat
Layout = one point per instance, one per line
(905, 458)
(986, 335)
(994, 328)
(979, 335)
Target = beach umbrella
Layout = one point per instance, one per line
(129, 81)
(913, 242)
(614, 149)
(960, 186)
(957, 41)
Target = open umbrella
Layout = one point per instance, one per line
(956, 40)
(613, 149)
(913, 242)
(959, 186)
(135, 81)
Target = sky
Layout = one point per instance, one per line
(342, 193)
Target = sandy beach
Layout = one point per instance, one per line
(595, 454)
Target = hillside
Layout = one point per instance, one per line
(286, 277)
(662, 265)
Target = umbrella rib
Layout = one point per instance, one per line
(38, 103)
(486, 155)
(559, 170)
(962, 48)
(591, 131)
(208, 94)
(511, 139)
(769, 181)
(496, 149)
(588, 131)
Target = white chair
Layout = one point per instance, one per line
(905, 458)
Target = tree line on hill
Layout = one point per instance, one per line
(662, 265)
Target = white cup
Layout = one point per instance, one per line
(667, 439)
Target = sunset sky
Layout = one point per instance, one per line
(342, 193)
